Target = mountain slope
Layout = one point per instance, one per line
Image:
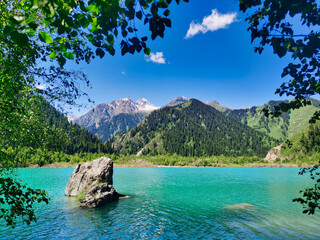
(109, 119)
(74, 139)
(192, 129)
(305, 142)
(177, 101)
(54, 133)
(218, 106)
(180, 100)
(281, 128)
(110, 127)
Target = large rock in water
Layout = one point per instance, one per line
(93, 181)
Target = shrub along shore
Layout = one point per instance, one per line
(40, 158)
(47, 159)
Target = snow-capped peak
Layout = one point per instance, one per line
(144, 105)
(126, 99)
(122, 101)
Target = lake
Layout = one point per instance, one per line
(175, 203)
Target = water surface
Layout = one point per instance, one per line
(175, 203)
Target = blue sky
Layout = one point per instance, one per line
(215, 64)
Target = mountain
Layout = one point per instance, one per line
(177, 101)
(218, 106)
(144, 106)
(109, 119)
(281, 128)
(57, 134)
(180, 100)
(192, 129)
(109, 127)
(71, 118)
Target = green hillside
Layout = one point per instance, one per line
(57, 140)
(281, 128)
(72, 137)
(304, 143)
(192, 129)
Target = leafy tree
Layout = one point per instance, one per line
(37, 38)
(291, 28)
(310, 196)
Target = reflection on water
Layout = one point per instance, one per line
(176, 203)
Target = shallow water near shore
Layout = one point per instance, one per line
(175, 203)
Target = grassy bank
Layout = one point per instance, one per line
(40, 158)
(179, 161)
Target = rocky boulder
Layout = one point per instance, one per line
(99, 195)
(273, 154)
(93, 181)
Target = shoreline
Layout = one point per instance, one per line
(151, 165)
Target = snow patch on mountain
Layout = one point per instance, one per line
(72, 118)
(144, 105)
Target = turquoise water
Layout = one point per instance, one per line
(175, 203)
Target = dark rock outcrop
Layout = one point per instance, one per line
(93, 181)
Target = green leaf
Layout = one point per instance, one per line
(32, 32)
(111, 50)
(166, 13)
(147, 51)
(53, 55)
(167, 22)
(68, 55)
(139, 15)
(124, 33)
(93, 8)
(20, 39)
(45, 37)
(84, 22)
(100, 52)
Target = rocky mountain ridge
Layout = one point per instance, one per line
(108, 110)
(108, 119)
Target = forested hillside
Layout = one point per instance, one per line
(192, 129)
(74, 139)
(57, 141)
(304, 143)
(281, 128)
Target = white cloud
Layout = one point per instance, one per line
(211, 23)
(123, 73)
(156, 58)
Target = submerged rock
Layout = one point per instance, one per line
(92, 183)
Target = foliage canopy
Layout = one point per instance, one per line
(290, 28)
